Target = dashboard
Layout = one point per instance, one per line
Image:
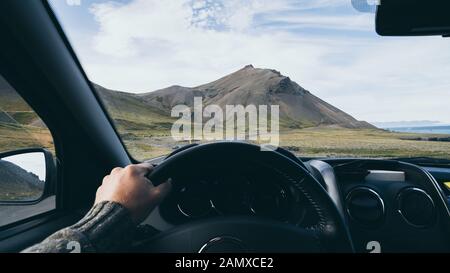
(399, 206)
(253, 193)
(389, 206)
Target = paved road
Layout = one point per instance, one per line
(11, 214)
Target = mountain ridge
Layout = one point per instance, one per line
(18, 183)
(299, 108)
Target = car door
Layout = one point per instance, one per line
(22, 172)
(38, 63)
(27, 165)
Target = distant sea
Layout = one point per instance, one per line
(445, 130)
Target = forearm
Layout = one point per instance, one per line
(107, 227)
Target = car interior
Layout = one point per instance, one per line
(229, 191)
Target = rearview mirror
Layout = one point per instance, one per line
(413, 18)
(26, 176)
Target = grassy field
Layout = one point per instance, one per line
(147, 134)
(16, 136)
(310, 142)
(9, 191)
(332, 142)
(145, 141)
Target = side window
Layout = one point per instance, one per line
(26, 150)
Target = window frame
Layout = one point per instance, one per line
(14, 227)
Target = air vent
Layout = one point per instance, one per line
(365, 207)
(416, 207)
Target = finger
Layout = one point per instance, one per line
(105, 179)
(161, 191)
(116, 170)
(144, 168)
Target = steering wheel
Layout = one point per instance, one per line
(250, 234)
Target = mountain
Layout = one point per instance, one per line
(299, 108)
(249, 85)
(9, 99)
(17, 183)
(131, 111)
(13, 109)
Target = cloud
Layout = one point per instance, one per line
(362, 22)
(144, 45)
(127, 29)
(73, 2)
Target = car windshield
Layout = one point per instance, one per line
(311, 76)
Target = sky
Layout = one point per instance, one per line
(326, 46)
(31, 162)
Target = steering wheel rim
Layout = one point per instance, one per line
(330, 234)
